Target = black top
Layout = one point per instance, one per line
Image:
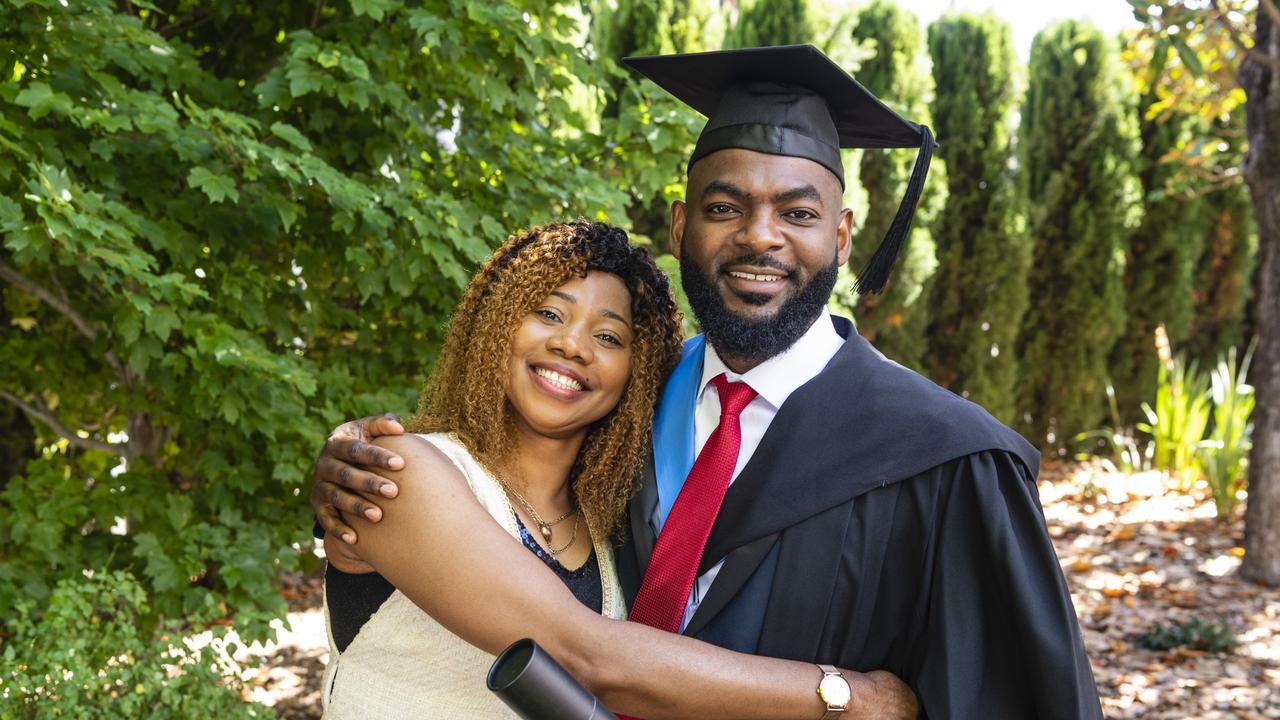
(354, 598)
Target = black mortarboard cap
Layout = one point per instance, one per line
(793, 100)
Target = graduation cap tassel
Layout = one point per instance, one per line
(875, 274)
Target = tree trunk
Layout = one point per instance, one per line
(1262, 173)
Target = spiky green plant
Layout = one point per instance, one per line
(1178, 419)
(1223, 455)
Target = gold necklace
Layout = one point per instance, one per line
(544, 527)
(572, 539)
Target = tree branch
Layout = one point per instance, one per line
(63, 306)
(1271, 9)
(1211, 187)
(45, 416)
(1237, 38)
(13, 276)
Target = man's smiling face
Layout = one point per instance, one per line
(759, 238)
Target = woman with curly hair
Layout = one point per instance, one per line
(532, 427)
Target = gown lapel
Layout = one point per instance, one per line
(738, 568)
(862, 423)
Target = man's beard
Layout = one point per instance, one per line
(754, 340)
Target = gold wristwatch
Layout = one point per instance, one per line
(833, 690)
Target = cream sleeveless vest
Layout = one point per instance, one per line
(404, 664)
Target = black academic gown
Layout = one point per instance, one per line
(885, 523)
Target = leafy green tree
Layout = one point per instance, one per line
(1189, 80)
(894, 320)
(979, 292)
(1230, 52)
(1165, 249)
(227, 226)
(1077, 148)
(771, 22)
(1199, 183)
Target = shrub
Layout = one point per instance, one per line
(84, 654)
(1214, 637)
(1223, 286)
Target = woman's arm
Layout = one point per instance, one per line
(444, 551)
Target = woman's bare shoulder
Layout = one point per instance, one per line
(424, 462)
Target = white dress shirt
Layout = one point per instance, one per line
(773, 380)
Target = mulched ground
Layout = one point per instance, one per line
(1135, 553)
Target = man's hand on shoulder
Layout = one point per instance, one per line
(880, 695)
(345, 478)
(345, 557)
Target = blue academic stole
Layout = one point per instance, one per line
(673, 434)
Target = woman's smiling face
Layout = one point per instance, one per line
(571, 356)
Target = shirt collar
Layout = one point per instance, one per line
(779, 376)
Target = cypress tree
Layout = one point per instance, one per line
(646, 27)
(1077, 147)
(894, 320)
(1162, 253)
(979, 291)
(1223, 276)
(771, 22)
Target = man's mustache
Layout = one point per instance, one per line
(760, 261)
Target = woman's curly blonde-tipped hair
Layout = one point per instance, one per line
(464, 394)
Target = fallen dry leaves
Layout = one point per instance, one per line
(1137, 553)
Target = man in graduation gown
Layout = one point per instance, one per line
(864, 517)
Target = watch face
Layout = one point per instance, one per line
(834, 691)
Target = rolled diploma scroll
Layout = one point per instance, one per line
(532, 683)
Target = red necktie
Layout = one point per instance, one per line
(664, 593)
